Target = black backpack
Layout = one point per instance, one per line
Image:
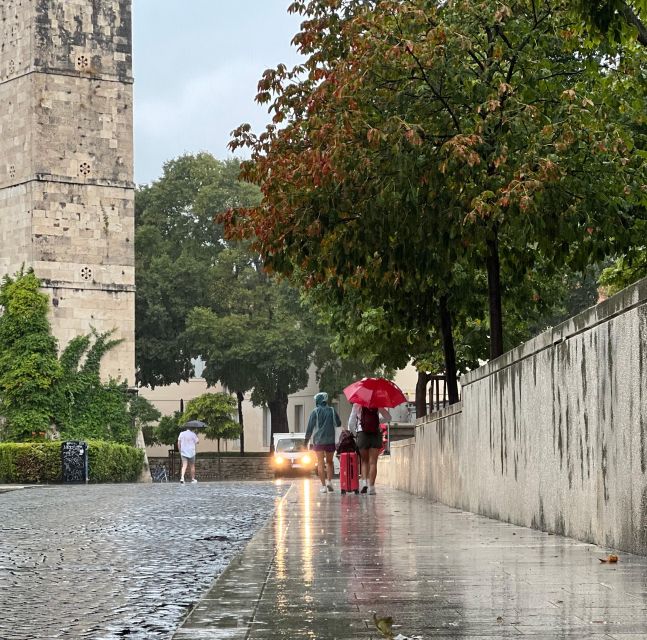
(370, 420)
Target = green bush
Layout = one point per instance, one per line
(110, 462)
(30, 462)
(25, 462)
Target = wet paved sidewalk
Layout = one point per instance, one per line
(325, 563)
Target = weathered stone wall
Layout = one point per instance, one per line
(228, 468)
(66, 178)
(552, 435)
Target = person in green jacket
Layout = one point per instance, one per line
(321, 428)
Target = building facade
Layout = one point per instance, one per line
(66, 167)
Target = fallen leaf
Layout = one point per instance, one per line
(611, 558)
(384, 625)
(499, 619)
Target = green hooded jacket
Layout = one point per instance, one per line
(322, 422)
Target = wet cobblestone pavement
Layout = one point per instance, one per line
(118, 561)
(326, 563)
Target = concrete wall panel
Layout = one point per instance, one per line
(551, 435)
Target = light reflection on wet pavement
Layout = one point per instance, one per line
(115, 561)
(325, 563)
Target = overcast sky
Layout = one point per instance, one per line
(196, 66)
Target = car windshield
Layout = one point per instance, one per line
(290, 444)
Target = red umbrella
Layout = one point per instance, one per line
(375, 392)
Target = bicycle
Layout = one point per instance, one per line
(159, 473)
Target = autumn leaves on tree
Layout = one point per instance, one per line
(423, 146)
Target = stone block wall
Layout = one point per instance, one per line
(552, 435)
(66, 173)
(230, 468)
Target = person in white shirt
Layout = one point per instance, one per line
(186, 443)
(365, 422)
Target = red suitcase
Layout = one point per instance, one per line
(349, 472)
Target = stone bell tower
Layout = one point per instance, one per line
(66, 163)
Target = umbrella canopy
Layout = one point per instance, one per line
(195, 424)
(375, 392)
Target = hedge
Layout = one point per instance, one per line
(40, 462)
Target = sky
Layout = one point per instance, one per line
(196, 65)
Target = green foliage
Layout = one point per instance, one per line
(619, 20)
(30, 462)
(144, 415)
(198, 295)
(167, 430)
(624, 271)
(41, 462)
(216, 410)
(84, 407)
(112, 462)
(40, 393)
(29, 369)
(177, 247)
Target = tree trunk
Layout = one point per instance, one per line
(421, 394)
(494, 297)
(448, 350)
(278, 407)
(240, 397)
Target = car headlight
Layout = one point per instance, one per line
(279, 460)
(306, 459)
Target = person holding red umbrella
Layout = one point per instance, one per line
(370, 397)
(365, 422)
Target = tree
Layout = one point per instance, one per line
(29, 369)
(144, 415)
(420, 138)
(177, 246)
(256, 337)
(168, 430)
(216, 410)
(198, 295)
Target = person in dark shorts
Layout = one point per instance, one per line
(321, 429)
(365, 422)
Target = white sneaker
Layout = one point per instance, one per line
(371, 491)
(181, 480)
(323, 490)
(194, 481)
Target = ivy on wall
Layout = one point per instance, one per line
(43, 395)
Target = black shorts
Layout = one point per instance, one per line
(369, 440)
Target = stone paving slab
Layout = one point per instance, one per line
(325, 563)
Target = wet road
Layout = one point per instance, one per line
(114, 561)
(327, 562)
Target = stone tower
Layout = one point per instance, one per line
(66, 163)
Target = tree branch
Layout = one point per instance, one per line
(632, 18)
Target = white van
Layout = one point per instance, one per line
(292, 456)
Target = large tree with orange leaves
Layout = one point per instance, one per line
(422, 139)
